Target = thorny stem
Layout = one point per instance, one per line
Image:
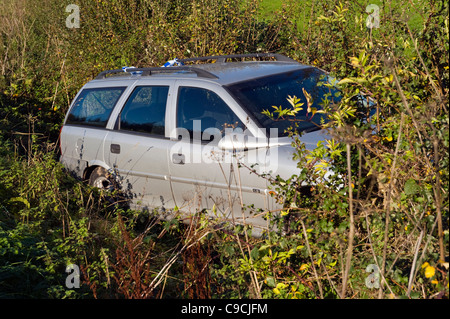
(437, 194)
(413, 267)
(391, 179)
(373, 252)
(312, 260)
(351, 233)
(253, 273)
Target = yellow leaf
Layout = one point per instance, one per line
(434, 282)
(332, 264)
(304, 266)
(354, 61)
(276, 291)
(425, 264)
(429, 271)
(281, 285)
(318, 262)
(346, 80)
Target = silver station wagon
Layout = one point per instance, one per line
(192, 136)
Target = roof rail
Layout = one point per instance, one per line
(149, 71)
(224, 58)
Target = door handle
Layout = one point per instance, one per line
(115, 148)
(178, 159)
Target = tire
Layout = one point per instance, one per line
(99, 179)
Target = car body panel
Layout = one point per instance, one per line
(81, 147)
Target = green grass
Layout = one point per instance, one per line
(415, 20)
(268, 7)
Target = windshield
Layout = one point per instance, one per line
(261, 94)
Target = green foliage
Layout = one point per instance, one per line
(35, 197)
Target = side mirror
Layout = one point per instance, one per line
(241, 142)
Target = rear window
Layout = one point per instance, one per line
(94, 106)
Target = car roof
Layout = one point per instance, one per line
(221, 72)
(233, 72)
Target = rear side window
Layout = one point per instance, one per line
(145, 110)
(94, 106)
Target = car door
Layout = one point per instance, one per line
(85, 126)
(136, 149)
(202, 174)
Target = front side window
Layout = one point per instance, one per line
(94, 106)
(145, 110)
(204, 114)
